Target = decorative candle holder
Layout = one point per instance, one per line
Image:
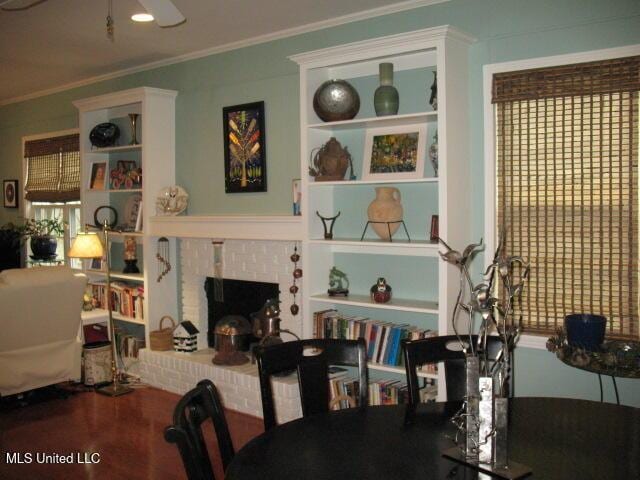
(133, 118)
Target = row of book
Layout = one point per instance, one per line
(383, 339)
(126, 299)
(392, 392)
(344, 390)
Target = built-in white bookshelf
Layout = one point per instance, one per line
(426, 296)
(155, 154)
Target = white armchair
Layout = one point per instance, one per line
(40, 342)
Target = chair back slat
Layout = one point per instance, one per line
(445, 348)
(311, 359)
(194, 408)
(314, 386)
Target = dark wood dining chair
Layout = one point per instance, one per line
(311, 359)
(445, 349)
(194, 408)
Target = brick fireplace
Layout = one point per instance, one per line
(252, 260)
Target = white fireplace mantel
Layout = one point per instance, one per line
(239, 227)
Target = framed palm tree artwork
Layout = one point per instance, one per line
(245, 162)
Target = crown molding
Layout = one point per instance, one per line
(115, 99)
(382, 46)
(289, 32)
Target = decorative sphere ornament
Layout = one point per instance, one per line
(297, 273)
(336, 100)
(294, 309)
(293, 289)
(295, 257)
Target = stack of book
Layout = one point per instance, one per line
(381, 392)
(341, 385)
(383, 339)
(126, 299)
(388, 392)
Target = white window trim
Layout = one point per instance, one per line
(25, 205)
(528, 341)
(66, 239)
(25, 209)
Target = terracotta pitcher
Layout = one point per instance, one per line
(386, 207)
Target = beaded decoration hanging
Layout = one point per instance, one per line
(297, 273)
(162, 255)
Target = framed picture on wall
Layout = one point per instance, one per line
(98, 176)
(245, 162)
(392, 153)
(10, 189)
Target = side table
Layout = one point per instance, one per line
(616, 358)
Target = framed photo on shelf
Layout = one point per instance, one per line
(126, 175)
(296, 187)
(245, 162)
(394, 153)
(434, 233)
(97, 264)
(10, 193)
(98, 176)
(132, 211)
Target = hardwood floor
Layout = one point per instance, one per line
(127, 433)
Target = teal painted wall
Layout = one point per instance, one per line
(506, 30)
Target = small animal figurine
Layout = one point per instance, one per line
(381, 292)
(336, 287)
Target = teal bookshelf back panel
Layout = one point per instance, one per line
(413, 91)
(410, 277)
(419, 203)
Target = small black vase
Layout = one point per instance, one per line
(43, 248)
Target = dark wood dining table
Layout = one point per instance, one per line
(557, 438)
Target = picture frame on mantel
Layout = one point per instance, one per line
(395, 153)
(10, 193)
(245, 161)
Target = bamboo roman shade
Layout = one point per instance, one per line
(53, 169)
(567, 189)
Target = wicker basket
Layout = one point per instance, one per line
(162, 339)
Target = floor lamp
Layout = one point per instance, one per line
(88, 245)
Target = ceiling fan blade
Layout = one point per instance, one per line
(164, 11)
(20, 7)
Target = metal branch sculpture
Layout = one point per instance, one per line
(493, 300)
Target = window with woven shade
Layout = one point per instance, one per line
(53, 169)
(567, 189)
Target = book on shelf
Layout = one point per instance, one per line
(383, 339)
(126, 299)
(429, 393)
(381, 392)
(388, 392)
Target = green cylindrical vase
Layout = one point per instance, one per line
(386, 99)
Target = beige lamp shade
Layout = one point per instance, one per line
(86, 245)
